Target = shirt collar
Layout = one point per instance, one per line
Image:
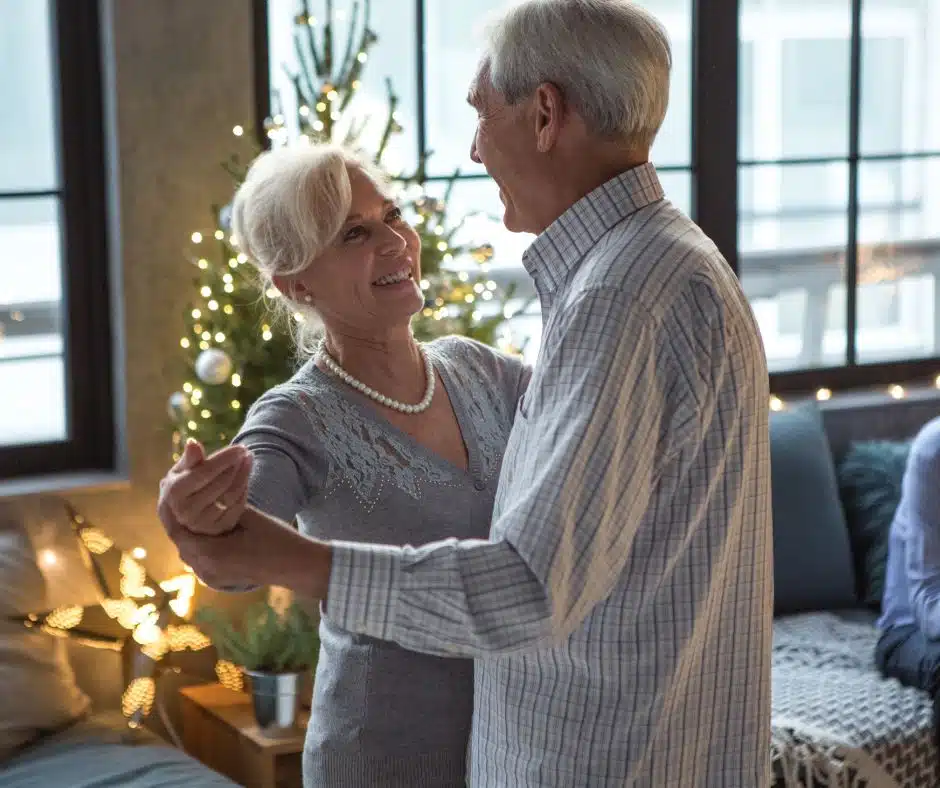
(560, 247)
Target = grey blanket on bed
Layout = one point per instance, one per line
(96, 753)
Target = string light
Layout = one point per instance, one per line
(197, 238)
(219, 235)
(238, 131)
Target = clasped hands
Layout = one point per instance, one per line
(230, 545)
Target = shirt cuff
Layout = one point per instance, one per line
(364, 588)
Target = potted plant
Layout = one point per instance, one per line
(275, 650)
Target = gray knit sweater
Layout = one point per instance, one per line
(383, 716)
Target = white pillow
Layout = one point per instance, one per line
(37, 685)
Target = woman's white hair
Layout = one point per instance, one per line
(610, 58)
(290, 207)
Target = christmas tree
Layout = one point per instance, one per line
(232, 349)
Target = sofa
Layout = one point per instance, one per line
(837, 467)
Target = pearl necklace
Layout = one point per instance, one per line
(370, 392)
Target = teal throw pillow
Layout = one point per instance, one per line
(870, 477)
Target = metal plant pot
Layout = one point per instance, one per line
(275, 698)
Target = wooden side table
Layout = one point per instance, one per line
(219, 729)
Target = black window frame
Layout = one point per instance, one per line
(714, 169)
(86, 307)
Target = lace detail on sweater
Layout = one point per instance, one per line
(362, 454)
(488, 414)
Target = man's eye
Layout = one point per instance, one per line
(353, 233)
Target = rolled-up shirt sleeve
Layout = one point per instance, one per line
(606, 405)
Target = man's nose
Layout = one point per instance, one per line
(474, 153)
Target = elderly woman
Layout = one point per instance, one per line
(377, 438)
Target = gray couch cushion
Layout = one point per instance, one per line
(812, 558)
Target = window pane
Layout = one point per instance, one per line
(900, 92)
(794, 79)
(899, 260)
(454, 41)
(27, 123)
(791, 238)
(392, 57)
(32, 392)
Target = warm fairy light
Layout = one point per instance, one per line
(228, 308)
(220, 337)
(318, 125)
(219, 235)
(185, 587)
(332, 95)
(228, 288)
(362, 57)
(192, 425)
(139, 696)
(205, 291)
(133, 577)
(823, 394)
(197, 238)
(95, 541)
(478, 288)
(236, 380)
(196, 313)
(64, 617)
(487, 295)
(238, 131)
(776, 403)
(442, 246)
(139, 553)
(233, 262)
(303, 110)
(463, 276)
(188, 387)
(321, 106)
(124, 611)
(896, 391)
(425, 284)
(229, 675)
(469, 298)
(213, 305)
(236, 405)
(184, 342)
(356, 84)
(241, 257)
(206, 336)
(48, 558)
(202, 263)
(206, 414)
(185, 637)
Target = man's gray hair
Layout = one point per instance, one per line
(610, 58)
(290, 207)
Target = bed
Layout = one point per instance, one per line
(100, 752)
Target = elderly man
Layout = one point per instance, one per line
(909, 646)
(620, 611)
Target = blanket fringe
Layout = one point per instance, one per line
(798, 763)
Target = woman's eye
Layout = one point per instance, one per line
(353, 233)
(394, 215)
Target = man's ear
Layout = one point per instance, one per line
(550, 111)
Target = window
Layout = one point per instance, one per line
(838, 195)
(803, 135)
(55, 375)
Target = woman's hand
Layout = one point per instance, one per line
(206, 495)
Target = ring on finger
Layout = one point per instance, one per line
(220, 506)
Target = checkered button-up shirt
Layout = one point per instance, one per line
(621, 609)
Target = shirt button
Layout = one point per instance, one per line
(479, 485)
